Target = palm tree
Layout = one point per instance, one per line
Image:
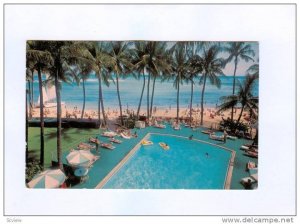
(93, 54)
(28, 95)
(60, 53)
(85, 71)
(120, 64)
(56, 50)
(26, 136)
(253, 70)
(157, 61)
(41, 60)
(194, 65)
(140, 64)
(163, 64)
(80, 73)
(244, 97)
(179, 68)
(211, 68)
(238, 51)
(100, 61)
(29, 77)
(194, 68)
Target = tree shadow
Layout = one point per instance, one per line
(53, 135)
(33, 155)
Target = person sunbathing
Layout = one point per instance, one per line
(86, 146)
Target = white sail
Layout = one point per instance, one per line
(51, 92)
(45, 97)
(49, 96)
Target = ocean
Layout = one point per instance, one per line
(130, 91)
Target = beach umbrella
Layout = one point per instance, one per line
(254, 176)
(78, 157)
(48, 179)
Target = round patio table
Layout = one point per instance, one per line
(81, 172)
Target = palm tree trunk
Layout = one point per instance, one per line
(202, 98)
(148, 88)
(29, 101)
(153, 88)
(58, 100)
(83, 106)
(140, 103)
(119, 98)
(191, 102)
(242, 110)
(255, 140)
(32, 102)
(178, 101)
(27, 127)
(41, 118)
(101, 100)
(233, 86)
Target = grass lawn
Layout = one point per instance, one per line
(71, 137)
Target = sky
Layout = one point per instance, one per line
(242, 65)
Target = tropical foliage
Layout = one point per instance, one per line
(211, 69)
(39, 59)
(238, 51)
(195, 63)
(244, 98)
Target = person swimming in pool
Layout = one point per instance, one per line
(206, 154)
(191, 137)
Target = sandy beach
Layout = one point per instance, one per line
(210, 117)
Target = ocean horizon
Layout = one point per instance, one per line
(130, 91)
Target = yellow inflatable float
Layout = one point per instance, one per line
(164, 146)
(145, 142)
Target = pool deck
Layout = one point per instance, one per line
(112, 160)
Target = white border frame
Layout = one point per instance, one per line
(272, 25)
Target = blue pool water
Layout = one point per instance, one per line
(184, 166)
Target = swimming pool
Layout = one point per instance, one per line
(189, 164)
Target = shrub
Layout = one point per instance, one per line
(130, 123)
(233, 126)
(32, 168)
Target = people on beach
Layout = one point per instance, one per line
(73, 112)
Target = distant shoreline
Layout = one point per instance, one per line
(209, 116)
(130, 93)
